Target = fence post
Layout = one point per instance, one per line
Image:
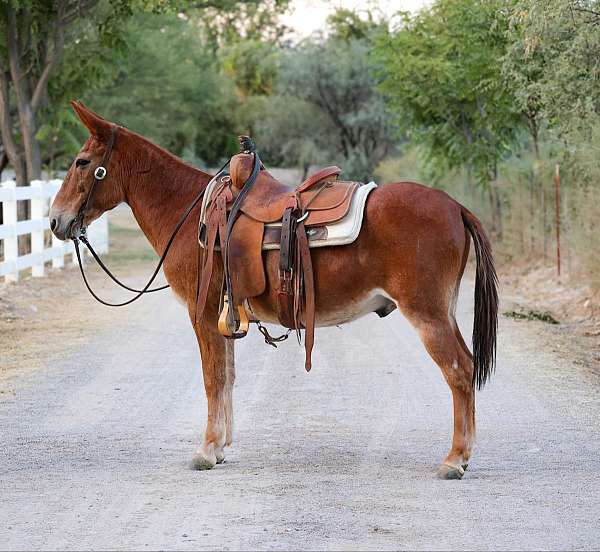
(557, 200)
(38, 206)
(11, 243)
(58, 261)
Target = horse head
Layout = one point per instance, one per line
(94, 181)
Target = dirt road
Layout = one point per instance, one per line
(96, 444)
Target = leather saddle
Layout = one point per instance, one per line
(241, 203)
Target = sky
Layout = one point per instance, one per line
(309, 15)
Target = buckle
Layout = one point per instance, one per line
(286, 274)
(100, 173)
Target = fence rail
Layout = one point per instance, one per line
(40, 193)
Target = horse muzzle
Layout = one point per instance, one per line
(63, 225)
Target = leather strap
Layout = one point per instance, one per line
(286, 248)
(309, 294)
(285, 295)
(296, 295)
(327, 172)
(216, 216)
(105, 158)
(233, 214)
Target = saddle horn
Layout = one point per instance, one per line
(247, 145)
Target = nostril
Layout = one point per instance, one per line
(53, 223)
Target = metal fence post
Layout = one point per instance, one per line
(557, 205)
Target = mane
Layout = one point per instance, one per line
(162, 152)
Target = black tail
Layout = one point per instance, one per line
(485, 324)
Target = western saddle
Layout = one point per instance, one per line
(242, 201)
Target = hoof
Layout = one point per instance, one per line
(445, 471)
(220, 457)
(200, 461)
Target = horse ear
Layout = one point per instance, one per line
(98, 127)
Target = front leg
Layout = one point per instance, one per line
(230, 380)
(214, 371)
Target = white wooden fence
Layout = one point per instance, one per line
(40, 193)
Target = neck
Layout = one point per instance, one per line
(160, 187)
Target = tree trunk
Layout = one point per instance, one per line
(3, 163)
(14, 153)
(495, 205)
(28, 128)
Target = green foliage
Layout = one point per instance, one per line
(348, 25)
(147, 64)
(290, 132)
(338, 80)
(441, 72)
(227, 22)
(554, 58)
(252, 65)
(168, 90)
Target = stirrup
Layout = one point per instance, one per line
(241, 328)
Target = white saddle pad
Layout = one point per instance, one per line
(342, 232)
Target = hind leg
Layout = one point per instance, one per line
(471, 429)
(438, 334)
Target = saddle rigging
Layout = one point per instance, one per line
(239, 206)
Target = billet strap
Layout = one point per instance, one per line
(285, 302)
(296, 295)
(288, 236)
(309, 293)
(286, 296)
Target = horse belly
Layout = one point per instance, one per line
(346, 286)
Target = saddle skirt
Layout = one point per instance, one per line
(339, 231)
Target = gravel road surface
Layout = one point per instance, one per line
(96, 445)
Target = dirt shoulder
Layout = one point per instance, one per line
(568, 312)
(42, 318)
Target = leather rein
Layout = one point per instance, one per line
(100, 174)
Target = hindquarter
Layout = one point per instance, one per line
(411, 249)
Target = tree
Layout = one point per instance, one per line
(291, 132)
(54, 50)
(347, 25)
(554, 59)
(168, 88)
(337, 78)
(35, 36)
(442, 79)
(227, 22)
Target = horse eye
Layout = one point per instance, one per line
(82, 162)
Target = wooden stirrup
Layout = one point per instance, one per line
(224, 328)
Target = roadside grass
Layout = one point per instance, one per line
(128, 245)
(532, 315)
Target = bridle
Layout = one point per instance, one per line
(100, 173)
